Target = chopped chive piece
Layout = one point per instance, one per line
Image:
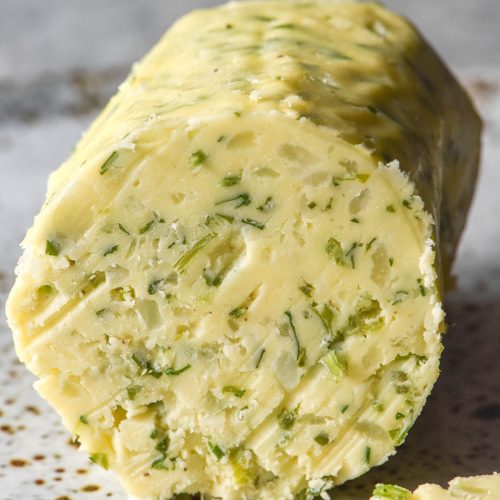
(350, 252)
(334, 250)
(154, 286)
(306, 289)
(216, 450)
(325, 315)
(336, 367)
(211, 278)
(242, 200)
(188, 256)
(344, 408)
(369, 244)
(265, 19)
(399, 415)
(259, 357)
(221, 138)
(147, 226)
(146, 367)
(227, 218)
(133, 390)
(328, 206)
(254, 223)
(390, 208)
(403, 435)
(162, 446)
(368, 453)
(110, 250)
(322, 439)
(355, 220)
(230, 180)
(238, 312)
(197, 158)
(286, 418)
(52, 247)
(284, 26)
(172, 372)
(122, 228)
(108, 163)
(391, 492)
(159, 463)
(406, 204)
(83, 419)
(239, 393)
(100, 459)
(421, 287)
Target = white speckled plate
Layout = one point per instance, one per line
(458, 432)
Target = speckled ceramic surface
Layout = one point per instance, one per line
(56, 92)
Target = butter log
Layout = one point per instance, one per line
(234, 285)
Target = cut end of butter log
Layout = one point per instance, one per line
(234, 285)
(466, 488)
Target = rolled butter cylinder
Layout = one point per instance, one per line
(485, 487)
(233, 287)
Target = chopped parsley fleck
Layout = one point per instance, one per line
(239, 393)
(399, 415)
(325, 315)
(254, 223)
(109, 162)
(172, 372)
(52, 247)
(154, 286)
(322, 439)
(344, 408)
(146, 367)
(355, 220)
(197, 158)
(350, 252)
(147, 226)
(83, 419)
(391, 492)
(227, 218)
(312, 205)
(188, 256)
(122, 228)
(110, 250)
(336, 367)
(406, 204)
(390, 208)
(212, 278)
(306, 289)
(335, 251)
(237, 114)
(368, 453)
(230, 180)
(100, 459)
(216, 450)
(286, 418)
(328, 206)
(242, 200)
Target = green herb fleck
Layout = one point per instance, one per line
(369, 244)
(197, 158)
(239, 393)
(146, 367)
(44, 290)
(227, 218)
(399, 415)
(335, 251)
(399, 296)
(325, 315)
(259, 357)
(344, 408)
(350, 252)
(336, 367)
(212, 278)
(322, 439)
(110, 250)
(328, 206)
(83, 419)
(108, 163)
(163, 445)
(221, 138)
(300, 353)
(122, 228)
(406, 204)
(154, 286)
(391, 261)
(242, 200)
(378, 405)
(133, 390)
(216, 450)
(312, 205)
(237, 114)
(254, 223)
(100, 459)
(267, 206)
(306, 289)
(230, 180)
(52, 247)
(147, 226)
(188, 256)
(238, 312)
(391, 492)
(355, 220)
(368, 453)
(286, 418)
(390, 208)
(172, 372)
(362, 177)
(421, 287)
(287, 26)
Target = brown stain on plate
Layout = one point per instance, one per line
(90, 488)
(19, 462)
